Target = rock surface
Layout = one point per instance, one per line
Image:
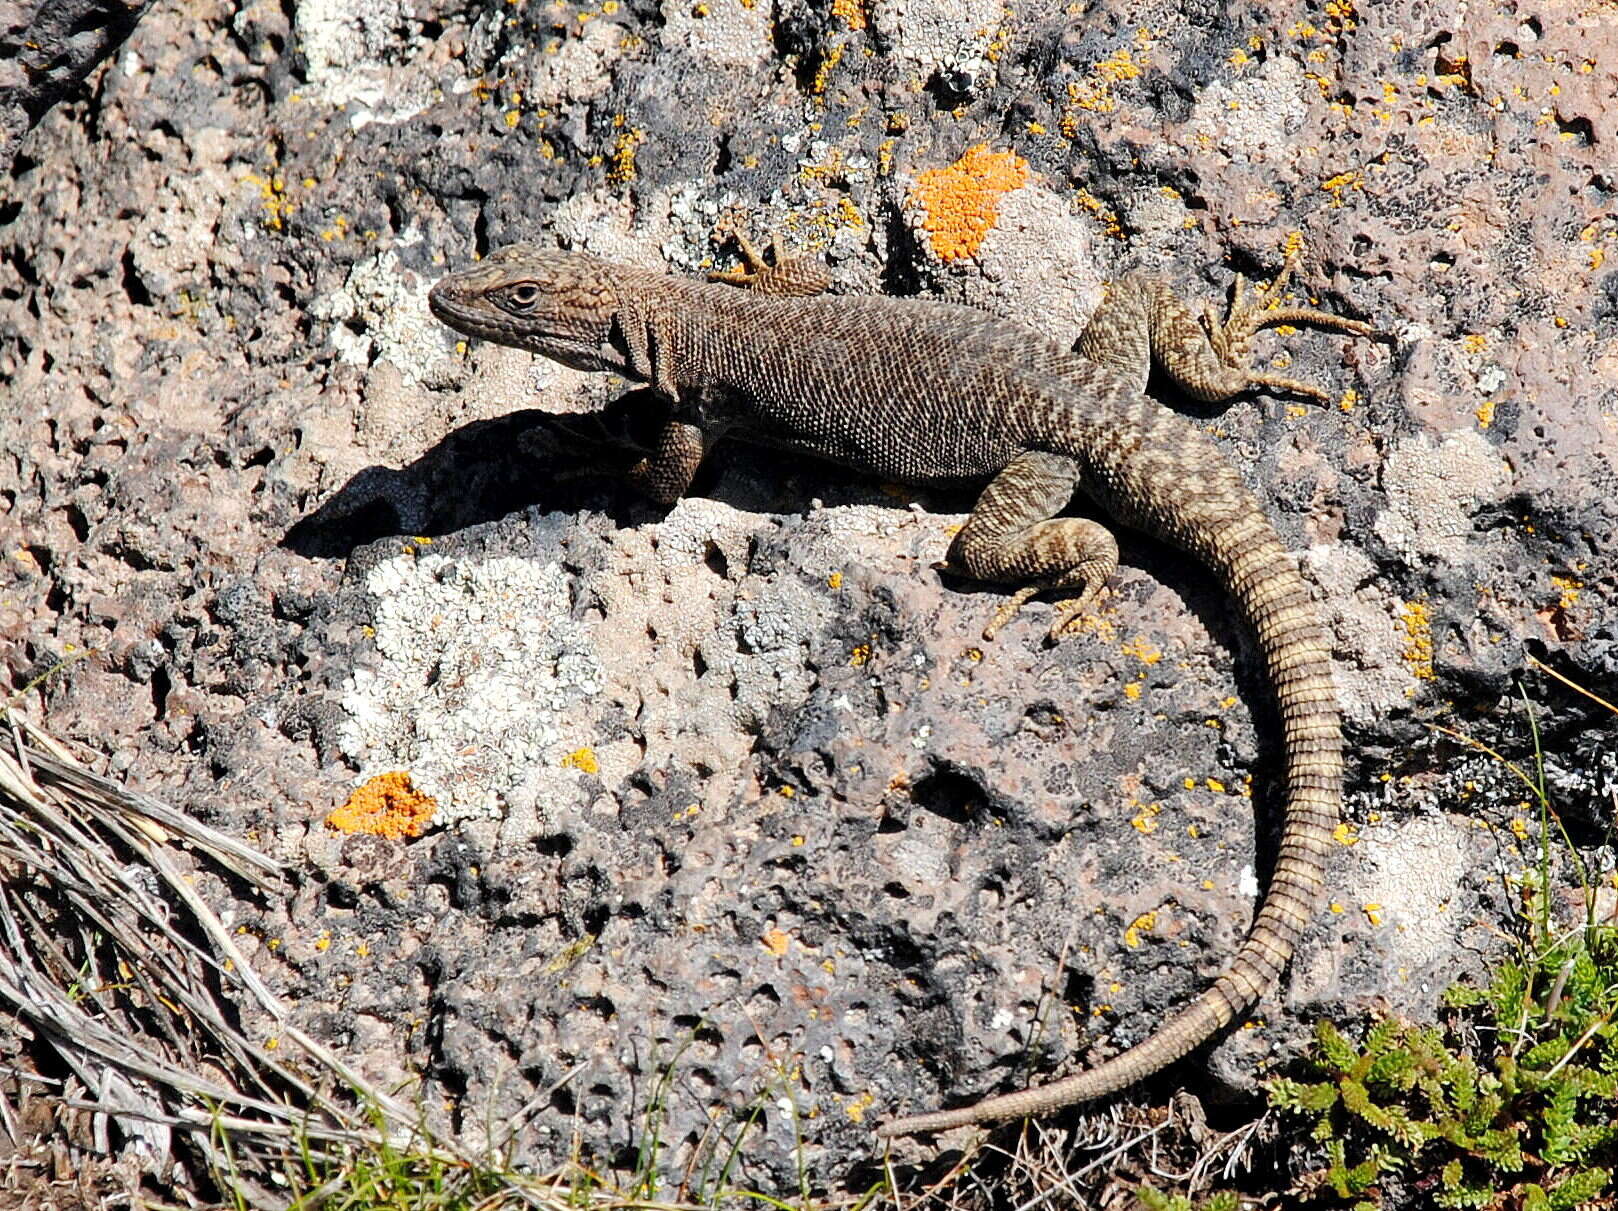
(47, 48)
(741, 827)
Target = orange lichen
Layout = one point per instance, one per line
(776, 941)
(385, 806)
(960, 203)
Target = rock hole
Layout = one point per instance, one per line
(133, 286)
(950, 795)
(1579, 128)
(716, 561)
(161, 685)
(559, 846)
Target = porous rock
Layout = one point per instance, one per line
(743, 825)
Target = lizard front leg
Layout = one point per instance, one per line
(665, 473)
(1014, 537)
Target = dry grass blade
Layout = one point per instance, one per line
(113, 958)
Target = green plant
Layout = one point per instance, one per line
(1153, 1200)
(1513, 1104)
(1534, 1125)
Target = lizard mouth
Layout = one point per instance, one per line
(449, 306)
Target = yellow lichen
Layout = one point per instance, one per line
(1144, 923)
(1141, 650)
(960, 203)
(385, 806)
(828, 64)
(272, 191)
(1416, 621)
(1569, 588)
(1104, 214)
(624, 146)
(583, 760)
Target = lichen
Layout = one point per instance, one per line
(387, 805)
(1415, 620)
(960, 202)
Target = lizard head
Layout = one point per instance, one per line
(561, 305)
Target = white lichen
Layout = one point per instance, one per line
(479, 665)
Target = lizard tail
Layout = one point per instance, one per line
(1278, 605)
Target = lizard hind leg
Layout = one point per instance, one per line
(1209, 358)
(1014, 537)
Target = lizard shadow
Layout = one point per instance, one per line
(489, 469)
(484, 471)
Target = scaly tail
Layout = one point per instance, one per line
(1220, 522)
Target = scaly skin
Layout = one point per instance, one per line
(926, 392)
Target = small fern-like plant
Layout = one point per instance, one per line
(1530, 1121)
(1515, 1104)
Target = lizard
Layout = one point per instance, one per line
(931, 393)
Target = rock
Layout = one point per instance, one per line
(743, 830)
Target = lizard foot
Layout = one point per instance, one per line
(789, 275)
(1232, 338)
(754, 266)
(1067, 615)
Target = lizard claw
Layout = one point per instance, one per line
(1232, 339)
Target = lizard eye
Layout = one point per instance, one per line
(524, 294)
